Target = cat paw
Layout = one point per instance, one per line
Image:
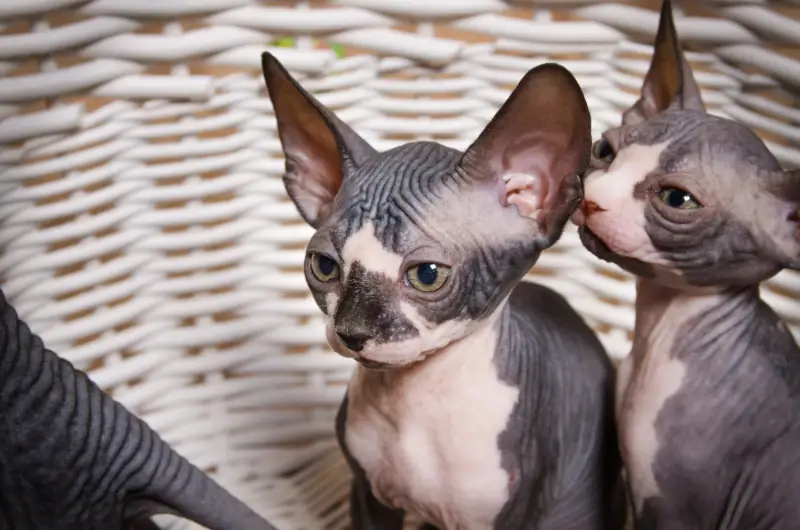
(526, 192)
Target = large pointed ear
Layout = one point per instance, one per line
(543, 131)
(669, 81)
(319, 148)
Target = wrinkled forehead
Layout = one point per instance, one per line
(395, 192)
(412, 203)
(409, 171)
(705, 146)
(385, 207)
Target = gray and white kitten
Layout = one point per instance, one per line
(709, 400)
(478, 402)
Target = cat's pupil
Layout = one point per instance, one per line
(427, 273)
(326, 265)
(677, 198)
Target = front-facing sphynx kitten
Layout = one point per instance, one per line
(709, 399)
(478, 402)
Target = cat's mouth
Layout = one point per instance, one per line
(597, 246)
(374, 365)
(594, 244)
(364, 359)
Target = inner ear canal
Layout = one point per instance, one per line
(527, 192)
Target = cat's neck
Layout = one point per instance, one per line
(665, 313)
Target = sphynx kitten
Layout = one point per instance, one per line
(708, 402)
(72, 458)
(478, 402)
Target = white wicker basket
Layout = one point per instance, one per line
(146, 235)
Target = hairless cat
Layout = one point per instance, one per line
(71, 458)
(478, 401)
(708, 402)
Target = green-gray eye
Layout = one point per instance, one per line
(324, 268)
(427, 277)
(677, 198)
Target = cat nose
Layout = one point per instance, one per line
(590, 207)
(353, 340)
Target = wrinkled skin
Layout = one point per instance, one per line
(708, 403)
(73, 458)
(478, 402)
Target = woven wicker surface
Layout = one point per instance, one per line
(146, 235)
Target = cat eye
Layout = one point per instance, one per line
(602, 150)
(678, 198)
(323, 268)
(427, 277)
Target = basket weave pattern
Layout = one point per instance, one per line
(147, 237)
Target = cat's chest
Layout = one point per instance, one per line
(428, 443)
(653, 382)
(648, 388)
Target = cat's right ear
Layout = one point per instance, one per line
(319, 148)
(669, 81)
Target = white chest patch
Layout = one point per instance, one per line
(651, 376)
(427, 437)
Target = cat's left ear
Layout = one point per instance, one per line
(319, 148)
(543, 130)
(669, 81)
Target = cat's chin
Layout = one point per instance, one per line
(375, 365)
(380, 366)
(381, 357)
(597, 246)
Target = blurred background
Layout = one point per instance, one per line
(146, 236)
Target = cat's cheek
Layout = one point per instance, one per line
(625, 236)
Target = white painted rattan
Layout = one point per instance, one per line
(146, 235)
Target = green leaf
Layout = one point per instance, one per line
(338, 49)
(284, 42)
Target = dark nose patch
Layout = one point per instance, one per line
(354, 342)
(368, 310)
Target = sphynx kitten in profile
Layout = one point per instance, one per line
(708, 402)
(478, 402)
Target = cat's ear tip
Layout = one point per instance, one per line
(556, 79)
(271, 66)
(666, 22)
(267, 58)
(552, 70)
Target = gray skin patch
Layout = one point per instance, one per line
(73, 458)
(729, 455)
(550, 403)
(569, 386)
(709, 403)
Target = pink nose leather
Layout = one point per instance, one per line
(590, 207)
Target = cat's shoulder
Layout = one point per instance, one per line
(543, 311)
(544, 307)
(535, 296)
